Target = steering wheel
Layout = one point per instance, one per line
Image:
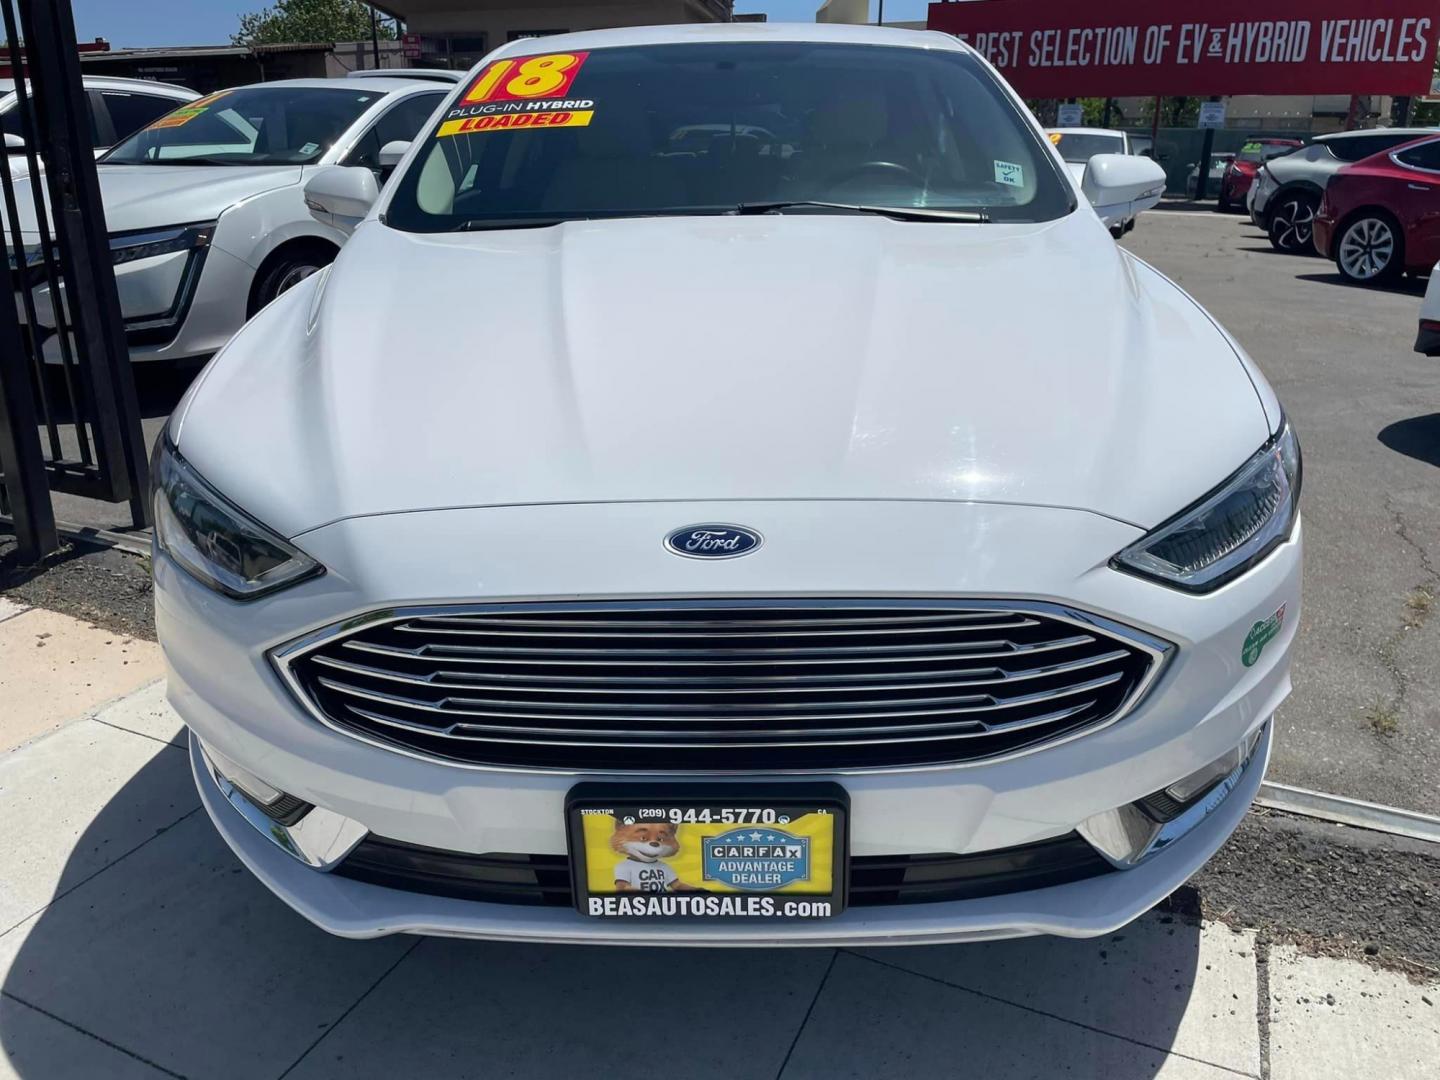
(893, 168)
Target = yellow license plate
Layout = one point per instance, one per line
(699, 852)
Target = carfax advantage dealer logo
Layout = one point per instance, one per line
(521, 92)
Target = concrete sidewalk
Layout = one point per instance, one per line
(132, 944)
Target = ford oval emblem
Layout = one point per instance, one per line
(713, 541)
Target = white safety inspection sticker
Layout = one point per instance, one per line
(1009, 173)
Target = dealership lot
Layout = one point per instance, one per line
(1364, 720)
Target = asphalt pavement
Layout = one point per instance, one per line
(1364, 720)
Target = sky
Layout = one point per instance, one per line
(130, 23)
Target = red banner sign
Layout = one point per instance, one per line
(1059, 48)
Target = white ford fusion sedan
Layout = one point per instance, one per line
(729, 490)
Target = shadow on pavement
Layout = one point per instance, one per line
(1404, 286)
(177, 958)
(1417, 437)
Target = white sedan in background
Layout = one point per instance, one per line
(1077, 145)
(851, 545)
(205, 207)
(1427, 340)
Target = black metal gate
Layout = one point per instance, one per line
(68, 415)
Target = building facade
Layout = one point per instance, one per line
(457, 33)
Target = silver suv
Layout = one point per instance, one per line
(1287, 190)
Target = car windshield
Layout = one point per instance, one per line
(701, 128)
(1079, 147)
(252, 126)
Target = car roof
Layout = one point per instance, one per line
(441, 75)
(1336, 136)
(1085, 131)
(380, 83)
(117, 82)
(745, 33)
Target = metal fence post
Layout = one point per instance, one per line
(53, 64)
(26, 486)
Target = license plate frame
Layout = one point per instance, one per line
(704, 897)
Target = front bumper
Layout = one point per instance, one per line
(1082, 909)
(225, 687)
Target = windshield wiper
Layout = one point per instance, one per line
(198, 159)
(899, 213)
(482, 224)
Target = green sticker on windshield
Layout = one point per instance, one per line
(1260, 635)
(1009, 173)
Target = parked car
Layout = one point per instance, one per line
(1381, 217)
(1427, 339)
(114, 108)
(1219, 163)
(498, 597)
(1077, 145)
(1288, 189)
(1240, 174)
(206, 208)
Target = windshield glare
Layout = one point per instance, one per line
(251, 126)
(701, 128)
(1079, 148)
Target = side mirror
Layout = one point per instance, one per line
(14, 142)
(1119, 186)
(340, 196)
(391, 153)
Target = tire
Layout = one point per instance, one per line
(1370, 249)
(288, 268)
(1292, 224)
(1223, 203)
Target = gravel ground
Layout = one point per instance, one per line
(103, 586)
(1328, 889)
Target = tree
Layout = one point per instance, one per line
(309, 20)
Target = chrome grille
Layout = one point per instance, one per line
(722, 685)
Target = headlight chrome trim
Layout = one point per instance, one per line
(146, 243)
(1279, 451)
(179, 535)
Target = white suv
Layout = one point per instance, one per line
(206, 210)
(1287, 190)
(116, 108)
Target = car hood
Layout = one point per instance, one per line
(154, 196)
(721, 358)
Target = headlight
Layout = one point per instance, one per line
(1228, 531)
(127, 247)
(214, 540)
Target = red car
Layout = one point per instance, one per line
(1240, 174)
(1381, 216)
